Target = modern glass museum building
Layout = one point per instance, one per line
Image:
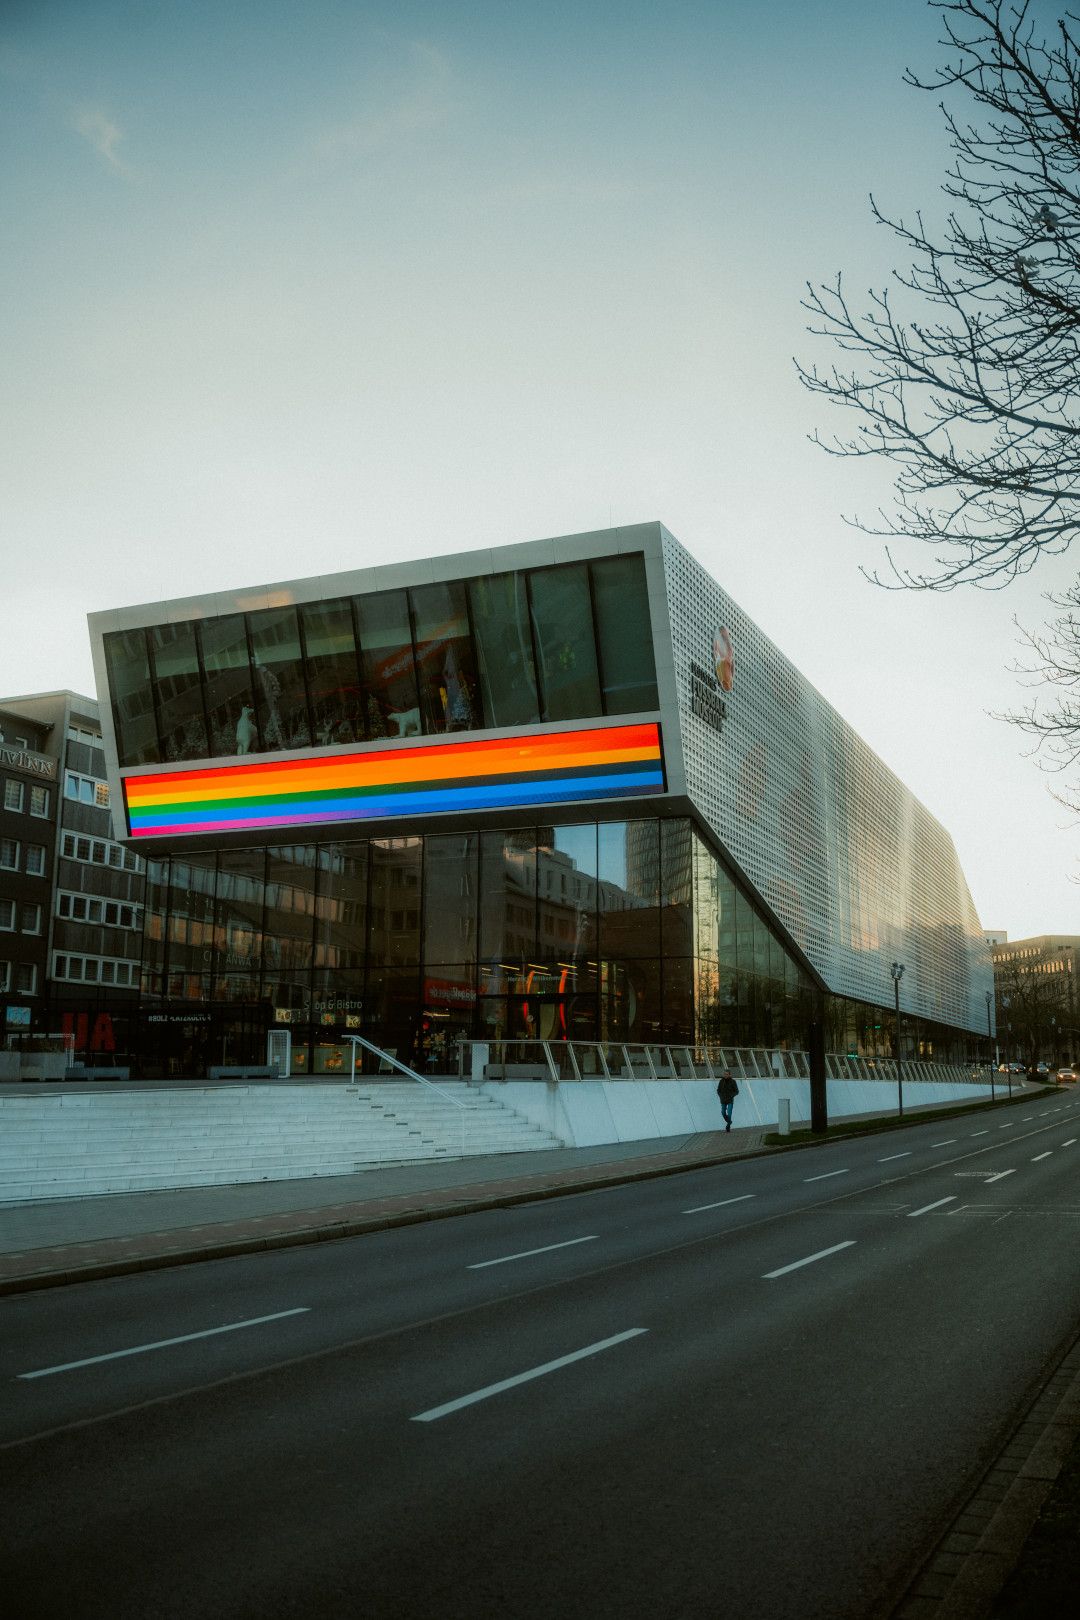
(558, 789)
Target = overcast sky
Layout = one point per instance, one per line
(287, 288)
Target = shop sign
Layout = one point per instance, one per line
(448, 993)
(17, 1016)
(20, 759)
(178, 1018)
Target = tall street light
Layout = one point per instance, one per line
(897, 971)
(989, 1038)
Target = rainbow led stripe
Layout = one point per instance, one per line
(553, 767)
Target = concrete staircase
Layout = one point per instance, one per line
(79, 1142)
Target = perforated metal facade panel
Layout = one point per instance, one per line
(855, 868)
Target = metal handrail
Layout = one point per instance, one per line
(618, 1060)
(422, 1079)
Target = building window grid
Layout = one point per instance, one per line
(74, 968)
(96, 909)
(14, 793)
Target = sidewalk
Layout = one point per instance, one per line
(67, 1240)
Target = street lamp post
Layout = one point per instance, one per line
(897, 971)
(989, 1038)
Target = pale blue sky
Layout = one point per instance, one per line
(287, 288)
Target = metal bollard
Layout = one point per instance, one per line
(783, 1115)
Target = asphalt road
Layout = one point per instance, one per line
(753, 1390)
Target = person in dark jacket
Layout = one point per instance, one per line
(727, 1091)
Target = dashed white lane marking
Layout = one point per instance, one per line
(947, 1143)
(1025, 1117)
(697, 1209)
(162, 1344)
(526, 1254)
(1070, 1143)
(523, 1378)
(979, 1133)
(796, 1265)
(1039, 1156)
(1007, 1125)
(826, 1174)
(893, 1156)
(928, 1207)
(999, 1177)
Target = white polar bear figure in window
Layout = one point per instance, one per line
(245, 730)
(407, 722)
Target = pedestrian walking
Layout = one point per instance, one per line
(727, 1091)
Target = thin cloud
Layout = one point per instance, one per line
(103, 134)
(424, 103)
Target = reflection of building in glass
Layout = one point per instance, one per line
(563, 789)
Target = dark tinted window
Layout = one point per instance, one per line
(132, 697)
(386, 665)
(624, 635)
(230, 699)
(280, 694)
(175, 662)
(337, 707)
(565, 646)
(445, 668)
(504, 657)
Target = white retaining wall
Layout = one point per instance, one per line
(587, 1112)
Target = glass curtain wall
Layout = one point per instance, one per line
(617, 931)
(572, 642)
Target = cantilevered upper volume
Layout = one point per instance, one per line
(593, 678)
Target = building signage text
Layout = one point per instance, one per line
(21, 760)
(705, 699)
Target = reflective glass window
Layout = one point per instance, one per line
(630, 888)
(289, 918)
(230, 697)
(565, 646)
(445, 667)
(624, 634)
(337, 706)
(394, 905)
(132, 698)
(341, 907)
(676, 888)
(190, 938)
(178, 684)
(386, 665)
(451, 879)
(238, 913)
(567, 896)
(505, 669)
(154, 916)
(507, 906)
(280, 693)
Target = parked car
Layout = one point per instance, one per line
(1065, 1076)
(1042, 1068)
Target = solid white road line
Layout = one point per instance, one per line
(999, 1177)
(928, 1207)
(893, 1156)
(826, 1175)
(163, 1344)
(697, 1209)
(797, 1264)
(523, 1378)
(504, 1259)
(947, 1143)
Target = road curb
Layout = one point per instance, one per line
(964, 1575)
